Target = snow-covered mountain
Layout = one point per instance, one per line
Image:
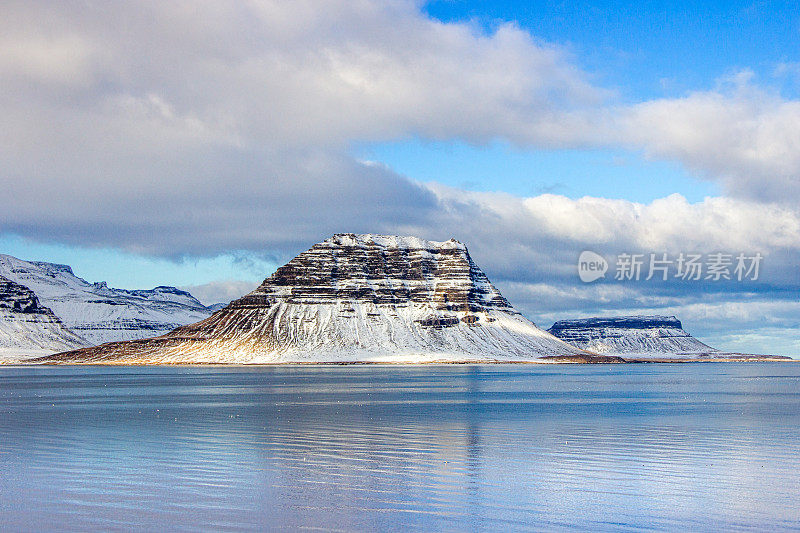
(29, 329)
(357, 298)
(645, 336)
(99, 313)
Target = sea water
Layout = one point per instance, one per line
(496, 447)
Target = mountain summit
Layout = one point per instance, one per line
(356, 298)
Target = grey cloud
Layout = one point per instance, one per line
(751, 320)
(261, 203)
(194, 128)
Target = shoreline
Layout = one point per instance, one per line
(771, 359)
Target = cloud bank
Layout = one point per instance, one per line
(195, 128)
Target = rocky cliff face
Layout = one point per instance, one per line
(101, 314)
(356, 298)
(657, 336)
(381, 270)
(19, 299)
(27, 328)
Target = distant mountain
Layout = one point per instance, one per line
(642, 338)
(357, 298)
(638, 337)
(101, 314)
(29, 329)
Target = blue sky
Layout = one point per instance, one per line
(130, 271)
(640, 50)
(157, 144)
(574, 173)
(650, 49)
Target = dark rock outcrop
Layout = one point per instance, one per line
(382, 271)
(20, 299)
(27, 327)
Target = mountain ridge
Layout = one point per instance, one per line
(356, 298)
(99, 313)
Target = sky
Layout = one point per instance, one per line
(202, 144)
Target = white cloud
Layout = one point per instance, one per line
(302, 72)
(759, 340)
(744, 136)
(549, 231)
(64, 60)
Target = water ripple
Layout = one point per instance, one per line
(651, 447)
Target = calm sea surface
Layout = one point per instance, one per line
(611, 447)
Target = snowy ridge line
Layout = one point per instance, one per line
(100, 313)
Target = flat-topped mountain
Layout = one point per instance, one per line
(643, 338)
(29, 329)
(99, 313)
(631, 335)
(356, 298)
